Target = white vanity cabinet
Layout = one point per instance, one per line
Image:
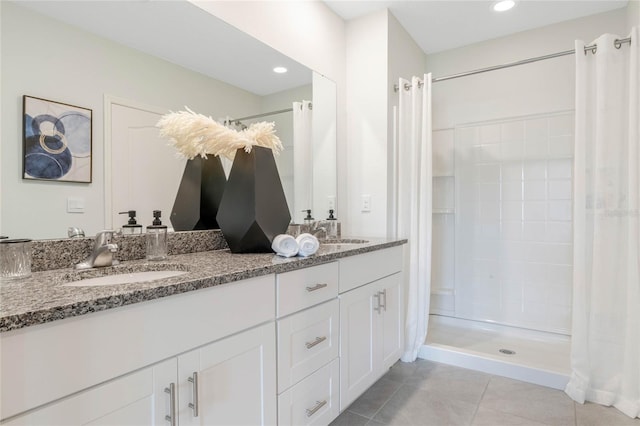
(112, 367)
(308, 345)
(292, 348)
(371, 319)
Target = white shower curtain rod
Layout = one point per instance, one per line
(592, 48)
(264, 114)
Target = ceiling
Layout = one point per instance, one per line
(442, 25)
(183, 34)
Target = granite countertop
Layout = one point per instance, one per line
(41, 298)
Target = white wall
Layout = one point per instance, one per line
(367, 123)
(529, 89)
(79, 68)
(633, 14)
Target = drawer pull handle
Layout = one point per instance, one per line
(171, 417)
(319, 405)
(194, 405)
(378, 308)
(317, 287)
(318, 340)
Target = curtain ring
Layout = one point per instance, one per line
(407, 86)
(617, 43)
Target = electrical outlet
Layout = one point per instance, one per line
(366, 203)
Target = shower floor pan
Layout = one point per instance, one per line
(528, 355)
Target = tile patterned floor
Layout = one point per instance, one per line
(428, 393)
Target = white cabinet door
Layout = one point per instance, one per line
(391, 321)
(135, 399)
(371, 322)
(357, 327)
(233, 381)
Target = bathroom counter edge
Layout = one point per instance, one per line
(41, 299)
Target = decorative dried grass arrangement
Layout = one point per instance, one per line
(194, 134)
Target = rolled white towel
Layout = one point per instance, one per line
(307, 244)
(285, 245)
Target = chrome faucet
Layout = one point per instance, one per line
(102, 252)
(316, 228)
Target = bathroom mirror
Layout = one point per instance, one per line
(156, 56)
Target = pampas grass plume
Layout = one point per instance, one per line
(194, 134)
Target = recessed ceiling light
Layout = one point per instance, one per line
(503, 5)
(280, 70)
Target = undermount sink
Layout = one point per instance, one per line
(119, 276)
(343, 241)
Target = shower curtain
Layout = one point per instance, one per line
(415, 206)
(605, 352)
(302, 159)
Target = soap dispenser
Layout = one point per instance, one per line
(332, 226)
(132, 227)
(308, 220)
(156, 238)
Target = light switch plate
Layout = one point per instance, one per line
(75, 205)
(366, 203)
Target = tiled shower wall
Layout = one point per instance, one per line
(502, 196)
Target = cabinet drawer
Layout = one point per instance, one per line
(313, 401)
(365, 268)
(307, 341)
(300, 289)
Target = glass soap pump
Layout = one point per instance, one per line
(308, 220)
(132, 227)
(332, 226)
(156, 238)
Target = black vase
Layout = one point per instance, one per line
(253, 209)
(199, 194)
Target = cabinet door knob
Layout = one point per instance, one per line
(319, 405)
(318, 340)
(194, 405)
(378, 308)
(171, 417)
(317, 287)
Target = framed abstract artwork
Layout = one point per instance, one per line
(56, 141)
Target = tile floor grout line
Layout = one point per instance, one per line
(388, 399)
(475, 412)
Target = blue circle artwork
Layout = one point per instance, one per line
(77, 130)
(46, 164)
(50, 156)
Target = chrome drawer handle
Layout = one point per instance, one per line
(194, 405)
(317, 287)
(171, 417)
(378, 308)
(318, 340)
(319, 405)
